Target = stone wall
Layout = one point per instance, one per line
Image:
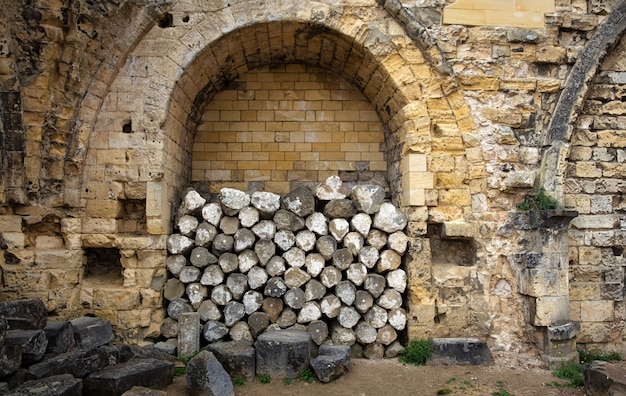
(105, 110)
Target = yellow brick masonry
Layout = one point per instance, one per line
(517, 13)
(282, 123)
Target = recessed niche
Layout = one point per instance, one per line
(450, 251)
(103, 265)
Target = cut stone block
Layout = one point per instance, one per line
(117, 379)
(28, 314)
(62, 385)
(604, 378)
(188, 333)
(91, 332)
(142, 391)
(78, 363)
(60, 337)
(32, 342)
(238, 358)
(333, 362)
(469, 351)
(206, 376)
(4, 327)
(10, 359)
(283, 353)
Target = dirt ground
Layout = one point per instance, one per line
(389, 377)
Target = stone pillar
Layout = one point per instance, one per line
(188, 334)
(542, 277)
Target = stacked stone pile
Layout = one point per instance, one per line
(327, 261)
(41, 358)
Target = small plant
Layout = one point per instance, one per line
(444, 391)
(590, 356)
(451, 380)
(539, 201)
(179, 371)
(265, 378)
(501, 391)
(307, 376)
(239, 381)
(417, 352)
(572, 373)
(287, 381)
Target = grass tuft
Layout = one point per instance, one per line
(572, 373)
(418, 352)
(539, 201)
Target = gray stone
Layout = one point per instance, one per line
(398, 242)
(265, 229)
(214, 331)
(257, 277)
(167, 347)
(342, 258)
(60, 336)
(338, 228)
(294, 298)
(332, 362)
(207, 377)
(248, 216)
(33, 343)
(173, 289)
(318, 330)
(326, 246)
(10, 359)
(187, 225)
(361, 223)
(192, 203)
(117, 379)
(233, 312)
(244, 239)
(295, 277)
(169, 328)
(397, 318)
(275, 266)
(287, 318)
(78, 363)
(317, 223)
(212, 275)
(267, 203)
(390, 299)
(179, 244)
(356, 273)
(470, 351)
(240, 331)
(394, 350)
(389, 218)
(375, 284)
(201, 257)
(208, 310)
(233, 200)
(196, 293)
(175, 263)
(188, 333)
(389, 261)
(283, 354)
(330, 276)
(376, 316)
(374, 351)
(305, 240)
(258, 322)
(368, 256)
(228, 262)
(229, 225)
(237, 284)
(222, 243)
(363, 301)
(314, 263)
(26, 314)
(272, 307)
(348, 317)
(330, 306)
(212, 213)
(91, 332)
(286, 220)
(284, 239)
(252, 301)
(331, 188)
(310, 311)
(340, 209)
(143, 391)
(237, 358)
(604, 378)
(365, 333)
(342, 336)
(386, 335)
(397, 279)
(295, 257)
(346, 291)
(189, 274)
(63, 385)
(377, 239)
(275, 287)
(314, 290)
(175, 308)
(368, 198)
(353, 241)
(221, 295)
(205, 234)
(265, 250)
(300, 201)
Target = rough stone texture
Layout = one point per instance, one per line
(78, 363)
(60, 336)
(206, 376)
(233, 200)
(283, 353)
(300, 201)
(63, 384)
(33, 343)
(332, 362)
(10, 359)
(26, 314)
(237, 358)
(469, 351)
(604, 378)
(119, 378)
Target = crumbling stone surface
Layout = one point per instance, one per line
(604, 378)
(119, 378)
(283, 353)
(28, 314)
(206, 376)
(62, 384)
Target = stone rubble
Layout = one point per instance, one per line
(259, 261)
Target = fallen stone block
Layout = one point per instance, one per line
(60, 337)
(28, 314)
(58, 385)
(91, 332)
(118, 353)
(10, 359)
(238, 358)
(32, 342)
(604, 378)
(283, 353)
(78, 363)
(206, 376)
(469, 351)
(151, 352)
(117, 379)
(332, 362)
(141, 391)
(4, 327)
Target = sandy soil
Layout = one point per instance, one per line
(389, 377)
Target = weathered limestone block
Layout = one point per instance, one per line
(469, 351)
(205, 233)
(192, 203)
(331, 188)
(237, 358)
(267, 203)
(78, 363)
(604, 378)
(212, 213)
(214, 331)
(187, 225)
(117, 379)
(60, 336)
(28, 314)
(317, 223)
(368, 198)
(63, 384)
(248, 217)
(390, 299)
(361, 223)
(386, 335)
(390, 219)
(283, 354)
(33, 343)
(188, 333)
(206, 376)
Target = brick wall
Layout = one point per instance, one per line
(519, 13)
(281, 125)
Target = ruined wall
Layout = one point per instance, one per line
(106, 110)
